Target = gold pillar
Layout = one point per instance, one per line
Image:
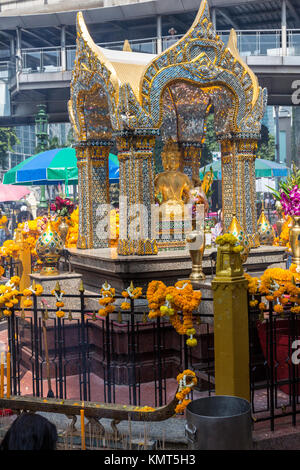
(231, 334)
(238, 185)
(93, 189)
(136, 192)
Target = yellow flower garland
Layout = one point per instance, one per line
(9, 295)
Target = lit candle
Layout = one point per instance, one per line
(8, 375)
(2, 376)
(82, 430)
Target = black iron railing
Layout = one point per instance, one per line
(274, 369)
(124, 357)
(12, 267)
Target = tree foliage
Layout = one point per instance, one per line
(211, 143)
(8, 139)
(54, 142)
(266, 145)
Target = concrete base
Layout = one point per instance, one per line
(99, 265)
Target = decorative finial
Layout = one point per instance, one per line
(126, 46)
(81, 288)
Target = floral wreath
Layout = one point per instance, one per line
(107, 299)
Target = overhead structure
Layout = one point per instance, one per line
(134, 98)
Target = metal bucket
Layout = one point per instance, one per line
(219, 423)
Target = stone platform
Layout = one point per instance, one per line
(99, 265)
(69, 283)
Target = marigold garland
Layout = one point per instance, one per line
(186, 382)
(59, 302)
(171, 301)
(9, 295)
(276, 285)
(131, 293)
(107, 299)
(156, 296)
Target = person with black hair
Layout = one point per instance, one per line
(30, 432)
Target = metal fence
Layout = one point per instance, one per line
(128, 358)
(274, 373)
(267, 42)
(122, 358)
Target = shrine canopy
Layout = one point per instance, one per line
(263, 169)
(52, 167)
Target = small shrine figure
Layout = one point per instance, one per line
(198, 196)
(172, 187)
(172, 192)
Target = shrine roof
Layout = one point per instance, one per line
(129, 66)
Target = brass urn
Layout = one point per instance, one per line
(63, 229)
(49, 247)
(265, 230)
(196, 245)
(295, 240)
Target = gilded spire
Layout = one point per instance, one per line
(126, 46)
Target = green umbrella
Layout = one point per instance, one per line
(52, 167)
(263, 169)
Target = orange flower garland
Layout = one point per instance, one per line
(58, 293)
(186, 381)
(132, 293)
(36, 289)
(171, 301)
(276, 285)
(107, 299)
(156, 296)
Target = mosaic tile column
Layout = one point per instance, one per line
(238, 185)
(191, 157)
(136, 193)
(93, 189)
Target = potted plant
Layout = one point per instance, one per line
(289, 198)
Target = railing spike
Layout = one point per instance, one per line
(81, 288)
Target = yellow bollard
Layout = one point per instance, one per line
(231, 334)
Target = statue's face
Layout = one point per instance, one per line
(171, 161)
